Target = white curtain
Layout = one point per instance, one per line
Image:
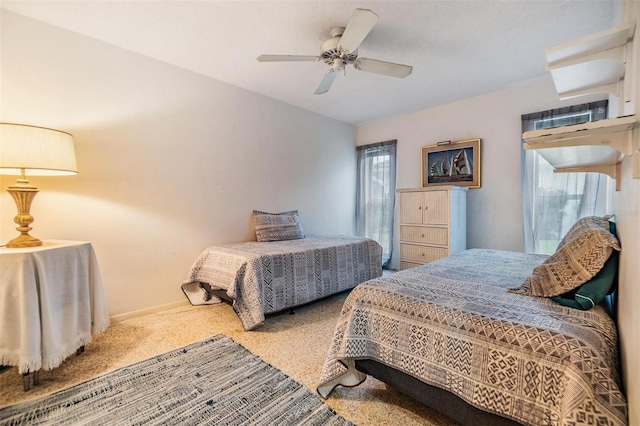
(553, 202)
(375, 193)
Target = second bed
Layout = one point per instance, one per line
(266, 277)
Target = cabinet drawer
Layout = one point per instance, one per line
(407, 265)
(421, 254)
(421, 234)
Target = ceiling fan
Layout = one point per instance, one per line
(342, 49)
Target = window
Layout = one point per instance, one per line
(375, 194)
(553, 202)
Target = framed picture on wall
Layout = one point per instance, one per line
(452, 163)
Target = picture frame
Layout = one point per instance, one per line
(452, 163)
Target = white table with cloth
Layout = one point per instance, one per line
(51, 303)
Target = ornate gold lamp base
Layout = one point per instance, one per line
(23, 195)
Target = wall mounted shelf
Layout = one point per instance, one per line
(596, 63)
(598, 146)
(612, 132)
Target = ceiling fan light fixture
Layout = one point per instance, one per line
(342, 49)
(338, 64)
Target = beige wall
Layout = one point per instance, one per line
(170, 161)
(628, 224)
(627, 209)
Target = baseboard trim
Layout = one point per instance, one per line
(148, 311)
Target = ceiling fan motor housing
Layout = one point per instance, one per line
(331, 50)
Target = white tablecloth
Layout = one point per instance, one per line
(51, 302)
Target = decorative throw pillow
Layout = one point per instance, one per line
(589, 294)
(579, 257)
(277, 226)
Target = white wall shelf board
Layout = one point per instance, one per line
(593, 43)
(613, 132)
(597, 146)
(593, 64)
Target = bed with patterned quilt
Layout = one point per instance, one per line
(270, 276)
(453, 326)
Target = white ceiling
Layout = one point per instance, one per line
(458, 48)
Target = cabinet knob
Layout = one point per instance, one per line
(422, 235)
(420, 208)
(426, 207)
(422, 254)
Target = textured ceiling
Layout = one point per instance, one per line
(458, 49)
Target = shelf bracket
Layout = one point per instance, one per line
(611, 171)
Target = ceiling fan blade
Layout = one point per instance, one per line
(326, 82)
(382, 67)
(359, 26)
(286, 58)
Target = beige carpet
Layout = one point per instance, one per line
(296, 344)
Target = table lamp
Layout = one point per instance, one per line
(35, 151)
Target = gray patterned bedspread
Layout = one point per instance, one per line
(452, 324)
(267, 277)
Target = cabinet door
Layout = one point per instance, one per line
(411, 205)
(436, 208)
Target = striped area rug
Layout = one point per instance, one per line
(215, 381)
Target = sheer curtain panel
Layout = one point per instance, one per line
(375, 194)
(553, 202)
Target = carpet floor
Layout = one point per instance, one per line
(296, 344)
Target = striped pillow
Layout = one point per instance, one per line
(277, 226)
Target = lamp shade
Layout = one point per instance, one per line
(37, 150)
